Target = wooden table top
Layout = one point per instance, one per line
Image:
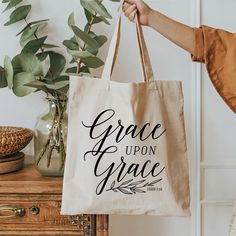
(29, 180)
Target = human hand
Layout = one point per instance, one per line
(131, 7)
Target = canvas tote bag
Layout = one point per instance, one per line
(126, 147)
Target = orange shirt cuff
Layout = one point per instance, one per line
(198, 54)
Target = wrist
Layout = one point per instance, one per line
(150, 17)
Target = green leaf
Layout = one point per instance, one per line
(18, 14)
(72, 70)
(63, 90)
(72, 61)
(41, 56)
(12, 4)
(29, 33)
(92, 34)
(84, 69)
(80, 54)
(96, 19)
(86, 27)
(71, 19)
(93, 62)
(38, 21)
(9, 71)
(40, 85)
(45, 65)
(87, 58)
(32, 23)
(57, 64)
(58, 85)
(99, 19)
(88, 15)
(27, 62)
(71, 44)
(20, 80)
(101, 39)
(5, 1)
(47, 45)
(94, 6)
(85, 37)
(62, 78)
(78, 41)
(92, 50)
(3, 79)
(26, 27)
(34, 45)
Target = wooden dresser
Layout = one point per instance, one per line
(30, 205)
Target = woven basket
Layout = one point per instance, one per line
(13, 139)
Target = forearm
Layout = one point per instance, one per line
(178, 33)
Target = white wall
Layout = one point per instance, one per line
(218, 125)
(169, 63)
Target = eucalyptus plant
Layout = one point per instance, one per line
(40, 67)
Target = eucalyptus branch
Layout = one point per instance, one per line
(41, 48)
(36, 37)
(61, 109)
(90, 24)
(35, 34)
(35, 73)
(48, 140)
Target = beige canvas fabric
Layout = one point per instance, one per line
(126, 147)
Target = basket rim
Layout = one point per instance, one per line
(13, 129)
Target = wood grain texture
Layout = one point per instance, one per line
(40, 233)
(12, 163)
(27, 181)
(27, 189)
(102, 222)
(48, 217)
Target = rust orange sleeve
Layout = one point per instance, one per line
(217, 49)
(199, 46)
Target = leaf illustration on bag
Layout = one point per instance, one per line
(139, 190)
(137, 183)
(113, 184)
(125, 191)
(154, 182)
(126, 182)
(129, 187)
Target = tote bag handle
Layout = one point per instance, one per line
(114, 47)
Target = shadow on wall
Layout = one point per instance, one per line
(148, 226)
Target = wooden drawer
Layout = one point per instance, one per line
(39, 198)
(42, 213)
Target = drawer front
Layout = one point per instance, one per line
(41, 213)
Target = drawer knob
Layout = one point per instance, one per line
(14, 210)
(34, 210)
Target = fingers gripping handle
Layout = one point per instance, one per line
(114, 47)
